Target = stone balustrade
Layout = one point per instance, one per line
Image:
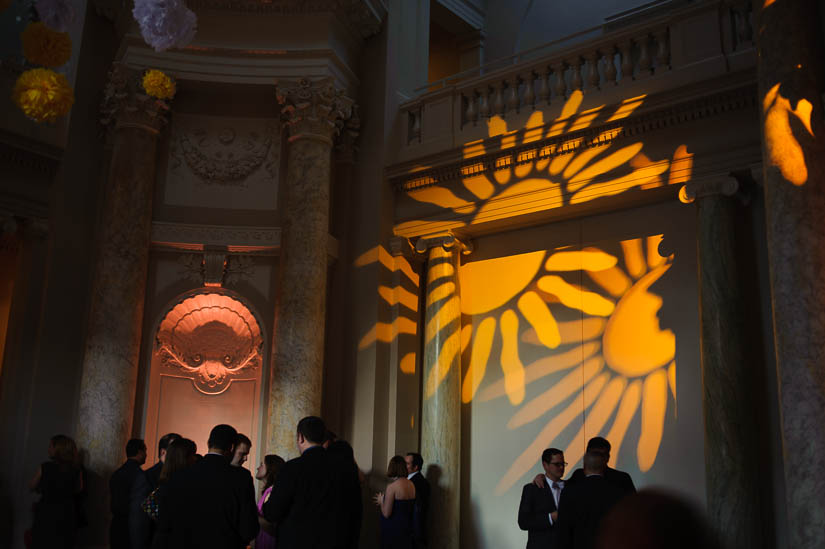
(697, 41)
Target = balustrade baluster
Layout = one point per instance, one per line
(741, 11)
(626, 48)
(484, 102)
(610, 65)
(512, 94)
(544, 87)
(498, 99)
(662, 50)
(593, 70)
(471, 114)
(529, 90)
(645, 61)
(414, 121)
(560, 86)
(576, 65)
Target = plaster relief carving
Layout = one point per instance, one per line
(220, 162)
(212, 339)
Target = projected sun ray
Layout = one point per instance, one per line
(614, 363)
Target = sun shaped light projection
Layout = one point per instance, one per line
(211, 338)
(568, 171)
(605, 354)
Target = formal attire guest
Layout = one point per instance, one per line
(210, 505)
(120, 490)
(620, 479)
(397, 507)
(349, 509)
(303, 499)
(179, 456)
(267, 471)
(141, 526)
(538, 509)
(414, 464)
(584, 504)
(58, 482)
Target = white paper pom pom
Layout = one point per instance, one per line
(58, 15)
(165, 24)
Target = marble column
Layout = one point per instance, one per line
(733, 483)
(441, 401)
(112, 349)
(313, 111)
(791, 75)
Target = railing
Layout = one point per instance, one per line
(612, 60)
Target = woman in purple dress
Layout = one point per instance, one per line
(267, 471)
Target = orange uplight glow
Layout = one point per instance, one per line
(782, 146)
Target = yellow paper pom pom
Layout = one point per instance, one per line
(43, 95)
(158, 85)
(44, 46)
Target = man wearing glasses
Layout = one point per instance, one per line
(538, 509)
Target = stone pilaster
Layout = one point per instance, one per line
(441, 400)
(110, 363)
(791, 74)
(733, 483)
(314, 112)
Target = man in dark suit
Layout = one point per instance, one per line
(422, 497)
(303, 501)
(538, 509)
(141, 527)
(211, 504)
(621, 479)
(120, 488)
(584, 504)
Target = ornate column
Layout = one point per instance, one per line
(313, 112)
(791, 74)
(110, 363)
(441, 401)
(733, 483)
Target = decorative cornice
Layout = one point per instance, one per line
(313, 109)
(599, 135)
(216, 235)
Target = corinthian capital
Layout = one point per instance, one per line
(313, 109)
(126, 105)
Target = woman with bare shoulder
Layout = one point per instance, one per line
(397, 507)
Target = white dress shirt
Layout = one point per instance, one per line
(556, 492)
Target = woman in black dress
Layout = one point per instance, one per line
(397, 507)
(58, 481)
(180, 455)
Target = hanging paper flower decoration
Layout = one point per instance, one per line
(43, 95)
(165, 24)
(56, 14)
(43, 46)
(158, 85)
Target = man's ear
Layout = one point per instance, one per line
(301, 438)
(231, 449)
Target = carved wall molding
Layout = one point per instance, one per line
(215, 235)
(603, 134)
(226, 155)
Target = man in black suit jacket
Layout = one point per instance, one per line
(141, 527)
(120, 488)
(302, 505)
(422, 497)
(211, 504)
(621, 479)
(537, 511)
(584, 504)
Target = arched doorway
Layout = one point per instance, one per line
(206, 369)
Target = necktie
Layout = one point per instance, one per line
(556, 489)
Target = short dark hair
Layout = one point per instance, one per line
(222, 437)
(166, 440)
(598, 443)
(313, 429)
(134, 446)
(417, 460)
(547, 455)
(594, 461)
(242, 439)
(330, 436)
(397, 467)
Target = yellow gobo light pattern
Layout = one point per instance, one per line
(608, 359)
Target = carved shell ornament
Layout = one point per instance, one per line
(211, 338)
(223, 156)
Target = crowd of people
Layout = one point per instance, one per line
(189, 500)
